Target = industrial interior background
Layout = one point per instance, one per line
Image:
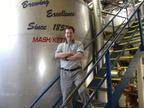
(30, 33)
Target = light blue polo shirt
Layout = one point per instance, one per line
(76, 46)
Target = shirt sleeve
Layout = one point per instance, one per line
(59, 48)
(80, 47)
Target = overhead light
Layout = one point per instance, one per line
(120, 1)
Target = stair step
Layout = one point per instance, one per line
(134, 30)
(122, 67)
(78, 104)
(98, 104)
(123, 57)
(113, 78)
(136, 35)
(134, 41)
(79, 101)
(104, 90)
(101, 90)
(128, 49)
(136, 25)
(129, 41)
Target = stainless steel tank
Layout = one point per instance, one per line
(30, 32)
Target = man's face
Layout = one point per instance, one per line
(69, 34)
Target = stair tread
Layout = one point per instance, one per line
(130, 36)
(123, 57)
(101, 89)
(93, 85)
(98, 103)
(127, 49)
(122, 67)
(130, 42)
(112, 77)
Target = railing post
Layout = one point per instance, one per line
(109, 82)
(113, 28)
(141, 31)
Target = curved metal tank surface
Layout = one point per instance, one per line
(30, 33)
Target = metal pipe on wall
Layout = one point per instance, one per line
(97, 8)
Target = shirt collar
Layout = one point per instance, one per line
(73, 41)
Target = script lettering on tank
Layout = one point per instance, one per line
(49, 39)
(35, 26)
(63, 13)
(26, 4)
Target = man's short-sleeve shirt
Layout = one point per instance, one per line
(75, 46)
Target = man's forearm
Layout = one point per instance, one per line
(63, 55)
(75, 57)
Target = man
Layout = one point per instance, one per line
(70, 53)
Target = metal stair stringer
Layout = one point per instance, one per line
(126, 77)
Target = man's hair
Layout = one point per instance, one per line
(70, 27)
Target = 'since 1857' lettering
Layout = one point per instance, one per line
(59, 27)
(32, 25)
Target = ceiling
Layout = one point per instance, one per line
(109, 0)
(109, 5)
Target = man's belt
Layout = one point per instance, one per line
(71, 69)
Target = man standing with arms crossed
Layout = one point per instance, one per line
(70, 54)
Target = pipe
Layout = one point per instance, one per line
(97, 8)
